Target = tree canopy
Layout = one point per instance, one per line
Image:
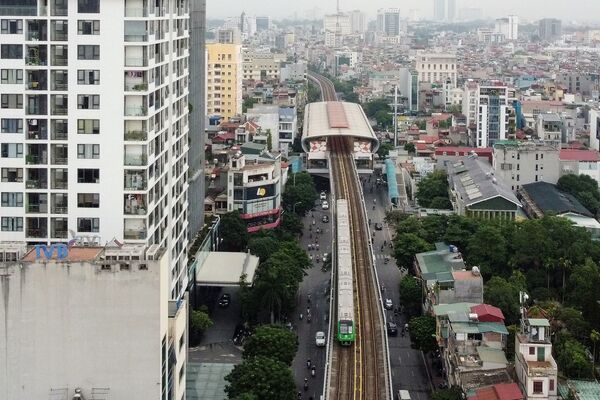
(422, 333)
(432, 191)
(411, 295)
(410, 147)
(406, 245)
(262, 377)
(584, 188)
(384, 149)
(273, 341)
(300, 192)
(233, 231)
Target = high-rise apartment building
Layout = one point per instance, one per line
(388, 21)
(550, 29)
(488, 111)
(433, 68)
(224, 79)
(357, 21)
(336, 26)
(508, 26)
(263, 24)
(444, 10)
(94, 122)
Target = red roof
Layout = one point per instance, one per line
(579, 155)
(455, 150)
(428, 138)
(486, 310)
(501, 391)
(223, 137)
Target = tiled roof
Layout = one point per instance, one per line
(579, 155)
(486, 309)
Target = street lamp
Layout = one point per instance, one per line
(294, 206)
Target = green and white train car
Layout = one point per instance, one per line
(346, 333)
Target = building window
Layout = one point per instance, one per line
(12, 224)
(88, 151)
(88, 101)
(88, 77)
(12, 175)
(88, 175)
(88, 224)
(531, 350)
(11, 51)
(86, 27)
(88, 6)
(11, 150)
(88, 200)
(12, 125)
(88, 126)
(88, 52)
(551, 388)
(12, 26)
(538, 387)
(12, 199)
(12, 101)
(11, 76)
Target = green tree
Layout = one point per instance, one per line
(447, 394)
(376, 105)
(432, 186)
(441, 203)
(199, 323)
(410, 147)
(300, 193)
(594, 337)
(233, 231)
(262, 377)
(422, 333)
(384, 149)
(269, 140)
(263, 247)
(510, 341)
(583, 291)
(248, 103)
(504, 294)
(273, 341)
(406, 245)
(459, 231)
(291, 226)
(384, 119)
(572, 358)
(313, 93)
(584, 188)
(245, 396)
(488, 249)
(411, 295)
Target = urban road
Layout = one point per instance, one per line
(408, 367)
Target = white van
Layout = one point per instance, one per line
(403, 395)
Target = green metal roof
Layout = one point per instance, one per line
(488, 354)
(445, 309)
(538, 322)
(438, 264)
(586, 390)
(479, 327)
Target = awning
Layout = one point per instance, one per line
(390, 170)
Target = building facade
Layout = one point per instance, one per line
(93, 321)
(336, 26)
(550, 29)
(388, 21)
(493, 108)
(444, 10)
(433, 68)
(224, 79)
(79, 72)
(260, 66)
(357, 21)
(520, 163)
(509, 27)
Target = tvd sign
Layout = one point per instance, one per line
(260, 192)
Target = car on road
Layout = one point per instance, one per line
(392, 328)
(378, 226)
(325, 257)
(388, 304)
(325, 205)
(325, 219)
(323, 196)
(403, 395)
(224, 300)
(320, 339)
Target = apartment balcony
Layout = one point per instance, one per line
(36, 30)
(135, 204)
(59, 180)
(136, 8)
(136, 160)
(136, 61)
(59, 60)
(36, 178)
(135, 37)
(36, 154)
(136, 136)
(134, 229)
(58, 8)
(136, 111)
(37, 129)
(37, 207)
(36, 54)
(36, 227)
(135, 180)
(37, 80)
(59, 228)
(61, 109)
(60, 209)
(136, 87)
(59, 154)
(36, 104)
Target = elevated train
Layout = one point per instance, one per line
(346, 332)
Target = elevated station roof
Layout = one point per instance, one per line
(336, 118)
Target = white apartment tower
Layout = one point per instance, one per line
(388, 21)
(94, 120)
(509, 27)
(436, 67)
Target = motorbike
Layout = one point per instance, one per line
(313, 371)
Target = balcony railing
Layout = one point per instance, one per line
(37, 233)
(134, 234)
(37, 135)
(60, 86)
(59, 234)
(136, 136)
(136, 38)
(40, 208)
(136, 160)
(60, 160)
(36, 184)
(136, 111)
(60, 61)
(60, 184)
(59, 110)
(137, 185)
(33, 60)
(32, 159)
(59, 136)
(136, 62)
(135, 12)
(136, 87)
(60, 210)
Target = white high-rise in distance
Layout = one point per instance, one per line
(95, 124)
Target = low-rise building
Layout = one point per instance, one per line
(501, 391)
(580, 162)
(534, 364)
(476, 192)
(93, 321)
(541, 198)
(549, 128)
(519, 163)
(288, 125)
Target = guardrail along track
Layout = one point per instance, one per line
(360, 371)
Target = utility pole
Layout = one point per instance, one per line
(395, 116)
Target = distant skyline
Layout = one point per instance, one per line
(567, 10)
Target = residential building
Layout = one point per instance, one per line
(78, 74)
(87, 322)
(476, 192)
(445, 279)
(519, 163)
(541, 198)
(594, 119)
(508, 26)
(263, 24)
(294, 72)
(229, 36)
(488, 109)
(288, 126)
(357, 21)
(550, 29)
(500, 391)
(580, 162)
(587, 84)
(197, 98)
(444, 10)
(433, 68)
(388, 21)
(261, 66)
(534, 364)
(336, 26)
(267, 117)
(446, 155)
(472, 338)
(224, 79)
(549, 128)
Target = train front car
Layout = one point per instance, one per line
(346, 333)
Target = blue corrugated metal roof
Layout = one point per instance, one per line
(390, 170)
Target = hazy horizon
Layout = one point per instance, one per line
(586, 10)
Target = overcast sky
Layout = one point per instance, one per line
(582, 10)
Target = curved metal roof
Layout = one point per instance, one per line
(336, 118)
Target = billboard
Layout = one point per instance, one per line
(259, 192)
